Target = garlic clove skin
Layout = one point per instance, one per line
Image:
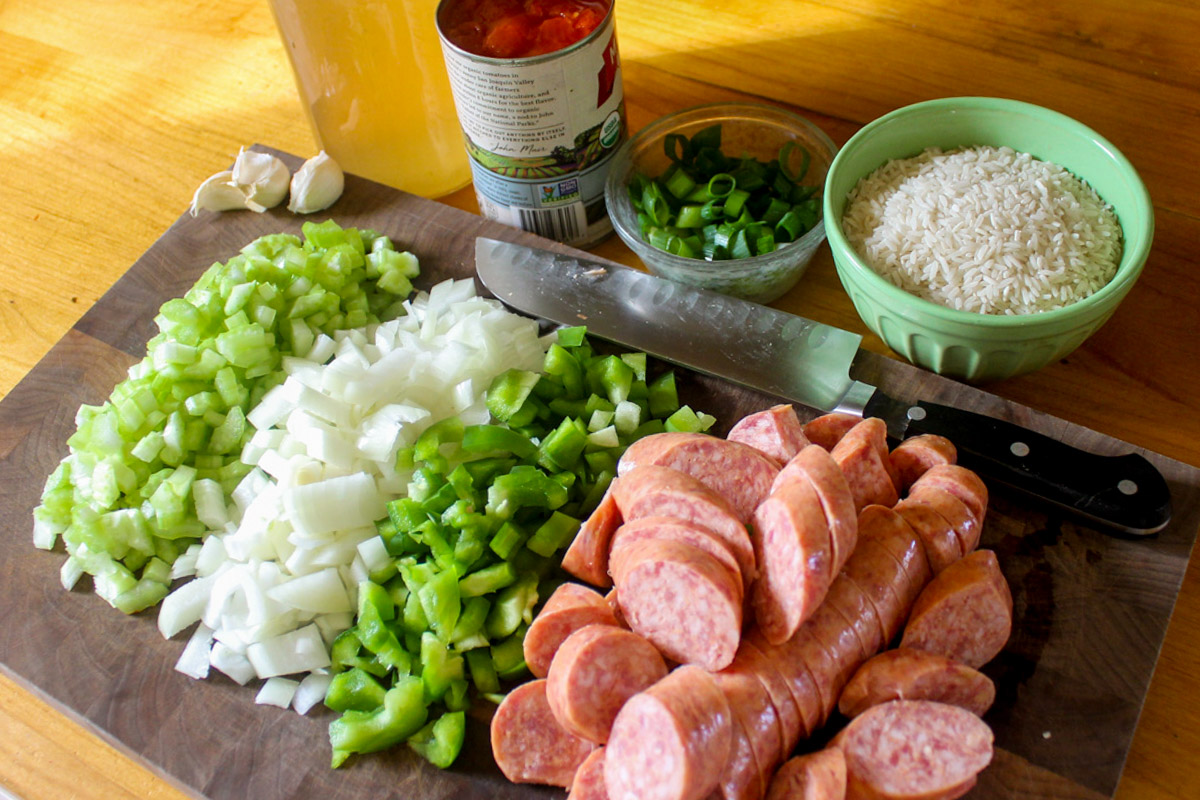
(262, 177)
(316, 185)
(218, 193)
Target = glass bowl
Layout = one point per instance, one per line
(747, 128)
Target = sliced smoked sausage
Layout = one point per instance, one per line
(678, 530)
(965, 613)
(815, 776)
(589, 779)
(756, 729)
(913, 457)
(845, 596)
(737, 472)
(775, 431)
(792, 660)
(741, 778)
(792, 545)
(888, 528)
(653, 491)
(681, 599)
(876, 573)
(967, 528)
(862, 455)
(569, 608)
(816, 466)
(913, 750)
(528, 743)
(792, 725)
(907, 674)
(828, 429)
(960, 482)
(942, 546)
(833, 631)
(587, 557)
(670, 742)
(594, 672)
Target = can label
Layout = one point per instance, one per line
(541, 132)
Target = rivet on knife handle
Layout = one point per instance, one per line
(1126, 491)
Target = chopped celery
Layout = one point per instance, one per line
(219, 348)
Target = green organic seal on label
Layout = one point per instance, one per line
(610, 130)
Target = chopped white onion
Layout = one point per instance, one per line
(320, 592)
(185, 565)
(374, 554)
(301, 650)
(311, 691)
(231, 662)
(193, 661)
(184, 606)
(277, 575)
(277, 692)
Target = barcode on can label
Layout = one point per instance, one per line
(562, 223)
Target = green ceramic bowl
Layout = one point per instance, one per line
(961, 344)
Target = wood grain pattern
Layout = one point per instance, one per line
(111, 113)
(1091, 609)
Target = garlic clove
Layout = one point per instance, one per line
(218, 193)
(262, 177)
(316, 185)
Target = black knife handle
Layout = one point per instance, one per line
(1126, 492)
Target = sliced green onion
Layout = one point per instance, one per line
(721, 184)
(697, 207)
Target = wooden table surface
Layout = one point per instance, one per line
(112, 112)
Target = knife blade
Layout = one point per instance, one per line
(808, 362)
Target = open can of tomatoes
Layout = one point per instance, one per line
(537, 88)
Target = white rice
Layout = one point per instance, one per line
(984, 229)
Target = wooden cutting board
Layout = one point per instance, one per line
(1091, 610)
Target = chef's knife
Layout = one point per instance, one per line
(809, 363)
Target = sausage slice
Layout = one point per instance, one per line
(594, 672)
(914, 750)
(670, 742)
(653, 491)
(862, 455)
(681, 599)
(816, 466)
(792, 544)
(588, 783)
(885, 526)
(907, 674)
(828, 429)
(816, 776)
(571, 607)
(965, 613)
(792, 725)
(775, 431)
(967, 528)
(849, 601)
(737, 472)
(678, 530)
(913, 457)
(798, 676)
(942, 545)
(755, 720)
(528, 743)
(587, 557)
(960, 482)
(876, 572)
